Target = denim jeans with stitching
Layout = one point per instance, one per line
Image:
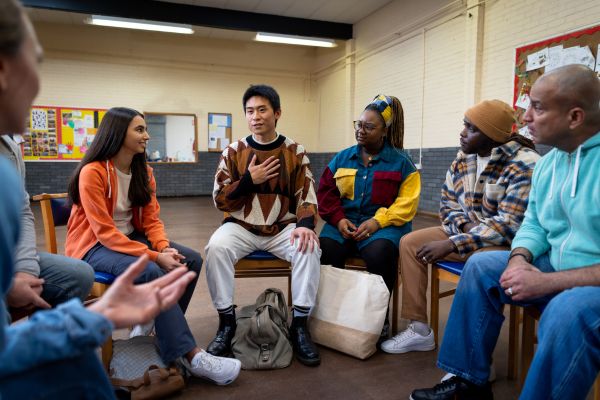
(567, 358)
(172, 331)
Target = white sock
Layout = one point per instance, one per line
(420, 327)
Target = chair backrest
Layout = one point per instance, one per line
(56, 209)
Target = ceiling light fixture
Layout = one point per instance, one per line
(140, 24)
(291, 39)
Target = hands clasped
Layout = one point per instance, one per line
(364, 231)
(522, 281)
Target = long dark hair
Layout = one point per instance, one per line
(107, 143)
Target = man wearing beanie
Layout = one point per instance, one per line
(482, 205)
(553, 265)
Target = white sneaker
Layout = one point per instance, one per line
(492, 377)
(409, 340)
(142, 330)
(220, 370)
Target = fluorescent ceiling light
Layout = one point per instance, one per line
(291, 39)
(140, 24)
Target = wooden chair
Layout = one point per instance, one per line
(259, 264)
(529, 339)
(449, 271)
(55, 212)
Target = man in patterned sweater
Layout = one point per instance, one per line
(264, 185)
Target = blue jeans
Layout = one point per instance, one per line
(65, 278)
(81, 377)
(567, 359)
(172, 331)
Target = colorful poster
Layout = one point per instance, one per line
(56, 133)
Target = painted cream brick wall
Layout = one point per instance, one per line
(513, 23)
(398, 70)
(92, 73)
(335, 132)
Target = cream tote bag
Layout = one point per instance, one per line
(350, 311)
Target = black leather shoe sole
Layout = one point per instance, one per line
(309, 362)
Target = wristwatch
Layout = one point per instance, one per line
(526, 256)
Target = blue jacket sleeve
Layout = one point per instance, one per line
(67, 331)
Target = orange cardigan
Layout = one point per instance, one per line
(92, 221)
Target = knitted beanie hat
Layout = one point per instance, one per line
(494, 118)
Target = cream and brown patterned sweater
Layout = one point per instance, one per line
(266, 209)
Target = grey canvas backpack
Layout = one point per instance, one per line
(261, 339)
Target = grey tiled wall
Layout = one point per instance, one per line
(197, 179)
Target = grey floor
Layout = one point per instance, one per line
(191, 221)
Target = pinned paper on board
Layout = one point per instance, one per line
(523, 101)
(537, 60)
(219, 131)
(554, 58)
(88, 121)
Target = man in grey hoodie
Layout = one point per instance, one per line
(41, 280)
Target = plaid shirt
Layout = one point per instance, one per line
(496, 201)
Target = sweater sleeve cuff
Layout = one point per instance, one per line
(337, 217)
(460, 241)
(152, 254)
(533, 246)
(306, 223)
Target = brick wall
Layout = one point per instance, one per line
(197, 179)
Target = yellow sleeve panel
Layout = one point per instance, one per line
(404, 208)
(344, 180)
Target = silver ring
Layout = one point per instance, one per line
(368, 234)
(424, 259)
(509, 291)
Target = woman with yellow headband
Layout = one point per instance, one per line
(368, 194)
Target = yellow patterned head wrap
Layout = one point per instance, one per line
(383, 104)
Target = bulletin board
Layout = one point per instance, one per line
(533, 60)
(59, 133)
(219, 131)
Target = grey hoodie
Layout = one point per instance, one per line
(26, 258)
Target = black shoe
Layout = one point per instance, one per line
(454, 388)
(306, 351)
(221, 344)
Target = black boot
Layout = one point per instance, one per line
(221, 344)
(306, 351)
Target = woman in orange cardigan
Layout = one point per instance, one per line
(115, 219)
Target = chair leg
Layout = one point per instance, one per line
(528, 343)
(107, 353)
(395, 309)
(513, 344)
(434, 314)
